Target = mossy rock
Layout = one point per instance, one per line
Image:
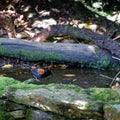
(5, 81)
(56, 96)
(93, 98)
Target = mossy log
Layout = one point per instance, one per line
(87, 35)
(79, 54)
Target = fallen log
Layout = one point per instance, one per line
(77, 54)
(84, 34)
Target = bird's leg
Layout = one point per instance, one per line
(52, 73)
(35, 78)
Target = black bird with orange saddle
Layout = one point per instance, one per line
(39, 73)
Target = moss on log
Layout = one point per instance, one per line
(80, 54)
(103, 42)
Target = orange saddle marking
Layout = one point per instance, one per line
(41, 71)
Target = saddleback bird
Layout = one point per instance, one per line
(39, 73)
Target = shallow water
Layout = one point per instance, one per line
(85, 78)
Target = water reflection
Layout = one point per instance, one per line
(85, 78)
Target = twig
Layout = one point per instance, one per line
(106, 76)
(116, 58)
(114, 78)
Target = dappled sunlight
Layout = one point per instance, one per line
(85, 78)
(44, 23)
(7, 66)
(92, 49)
(35, 14)
(44, 107)
(44, 13)
(97, 5)
(26, 8)
(89, 26)
(51, 13)
(30, 15)
(38, 24)
(2, 74)
(81, 104)
(76, 41)
(69, 75)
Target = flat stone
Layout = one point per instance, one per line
(18, 114)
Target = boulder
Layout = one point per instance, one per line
(69, 101)
(35, 114)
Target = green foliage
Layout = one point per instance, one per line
(5, 81)
(103, 64)
(104, 5)
(30, 55)
(3, 51)
(65, 86)
(3, 114)
(52, 86)
(105, 94)
(25, 86)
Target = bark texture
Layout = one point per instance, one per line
(80, 54)
(61, 30)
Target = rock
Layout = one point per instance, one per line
(29, 81)
(11, 106)
(15, 110)
(112, 112)
(70, 101)
(17, 114)
(40, 115)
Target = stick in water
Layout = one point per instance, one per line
(116, 58)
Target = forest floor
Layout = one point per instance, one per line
(26, 18)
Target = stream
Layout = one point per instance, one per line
(83, 77)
